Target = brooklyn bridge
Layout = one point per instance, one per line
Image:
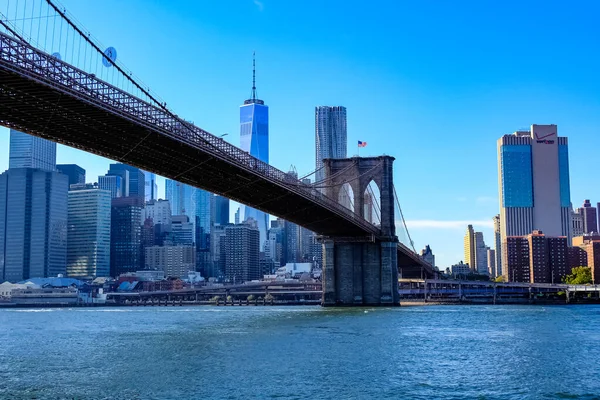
(83, 98)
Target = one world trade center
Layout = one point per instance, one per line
(254, 138)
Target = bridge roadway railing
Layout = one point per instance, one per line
(24, 59)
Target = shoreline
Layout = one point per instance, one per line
(403, 303)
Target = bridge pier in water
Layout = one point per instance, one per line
(360, 274)
(362, 271)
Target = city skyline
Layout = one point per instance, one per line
(461, 106)
(391, 99)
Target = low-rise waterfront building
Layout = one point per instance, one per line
(175, 261)
(537, 258)
(588, 254)
(460, 269)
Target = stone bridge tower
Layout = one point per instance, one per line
(362, 270)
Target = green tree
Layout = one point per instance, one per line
(579, 276)
(499, 279)
(269, 298)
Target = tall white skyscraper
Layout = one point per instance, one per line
(28, 151)
(533, 180)
(88, 232)
(331, 136)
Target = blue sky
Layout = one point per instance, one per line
(434, 84)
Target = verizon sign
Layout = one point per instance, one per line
(542, 139)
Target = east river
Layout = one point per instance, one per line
(446, 352)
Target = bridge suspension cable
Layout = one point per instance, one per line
(412, 244)
(347, 181)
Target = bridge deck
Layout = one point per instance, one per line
(45, 97)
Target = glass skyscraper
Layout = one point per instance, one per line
(75, 173)
(533, 176)
(28, 151)
(221, 209)
(134, 180)
(126, 235)
(88, 250)
(33, 224)
(254, 138)
(33, 211)
(331, 136)
(151, 189)
(113, 183)
(190, 201)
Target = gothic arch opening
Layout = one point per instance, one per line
(346, 196)
(372, 203)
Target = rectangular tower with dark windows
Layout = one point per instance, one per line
(240, 253)
(33, 224)
(126, 235)
(133, 178)
(75, 173)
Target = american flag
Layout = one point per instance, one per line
(362, 144)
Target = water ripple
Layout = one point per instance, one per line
(449, 352)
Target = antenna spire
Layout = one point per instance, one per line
(253, 75)
(254, 99)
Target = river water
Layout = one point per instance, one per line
(449, 352)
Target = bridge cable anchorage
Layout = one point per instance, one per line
(412, 244)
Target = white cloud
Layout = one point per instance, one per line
(430, 223)
(259, 4)
(486, 199)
